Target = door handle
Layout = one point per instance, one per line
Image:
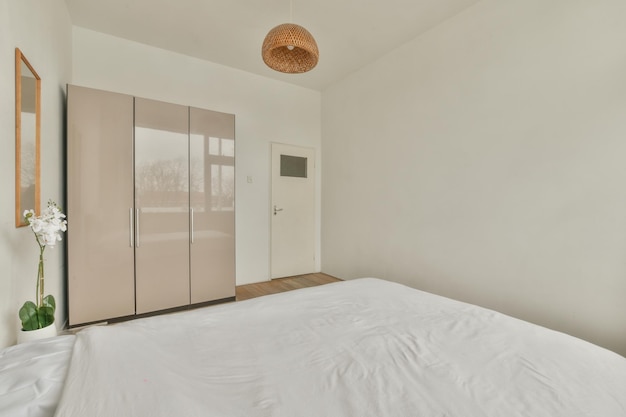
(131, 227)
(137, 228)
(191, 225)
(276, 210)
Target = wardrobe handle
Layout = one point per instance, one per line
(137, 228)
(191, 217)
(130, 227)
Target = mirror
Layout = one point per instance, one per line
(27, 135)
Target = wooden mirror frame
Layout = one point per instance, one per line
(20, 61)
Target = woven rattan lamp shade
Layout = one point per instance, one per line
(290, 48)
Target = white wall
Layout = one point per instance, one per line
(265, 111)
(42, 31)
(486, 161)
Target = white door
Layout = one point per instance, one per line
(292, 211)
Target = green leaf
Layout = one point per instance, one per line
(34, 317)
(46, 316)
(48, 301)
(28, 316)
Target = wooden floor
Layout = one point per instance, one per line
(274, 286)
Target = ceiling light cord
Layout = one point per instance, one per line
(292, 43)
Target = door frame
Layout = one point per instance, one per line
(316, 204)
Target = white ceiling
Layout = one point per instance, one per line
(349, 33)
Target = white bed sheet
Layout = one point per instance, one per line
(358, 348)
(32, 376)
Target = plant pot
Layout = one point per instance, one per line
(24, 336)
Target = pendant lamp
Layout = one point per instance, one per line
(290, 48)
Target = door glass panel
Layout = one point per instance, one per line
(292, 166)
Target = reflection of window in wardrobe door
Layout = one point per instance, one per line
(162, 205)
(212, 195)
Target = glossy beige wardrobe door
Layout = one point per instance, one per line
(99, 205)
(212, 196)
(161, 205)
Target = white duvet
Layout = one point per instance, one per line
(32, 377)
(357, 348)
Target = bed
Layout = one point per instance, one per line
(357, 348)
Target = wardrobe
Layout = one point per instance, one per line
(150, 206)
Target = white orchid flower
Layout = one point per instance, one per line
(48, 226)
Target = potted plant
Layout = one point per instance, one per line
(38, 317)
